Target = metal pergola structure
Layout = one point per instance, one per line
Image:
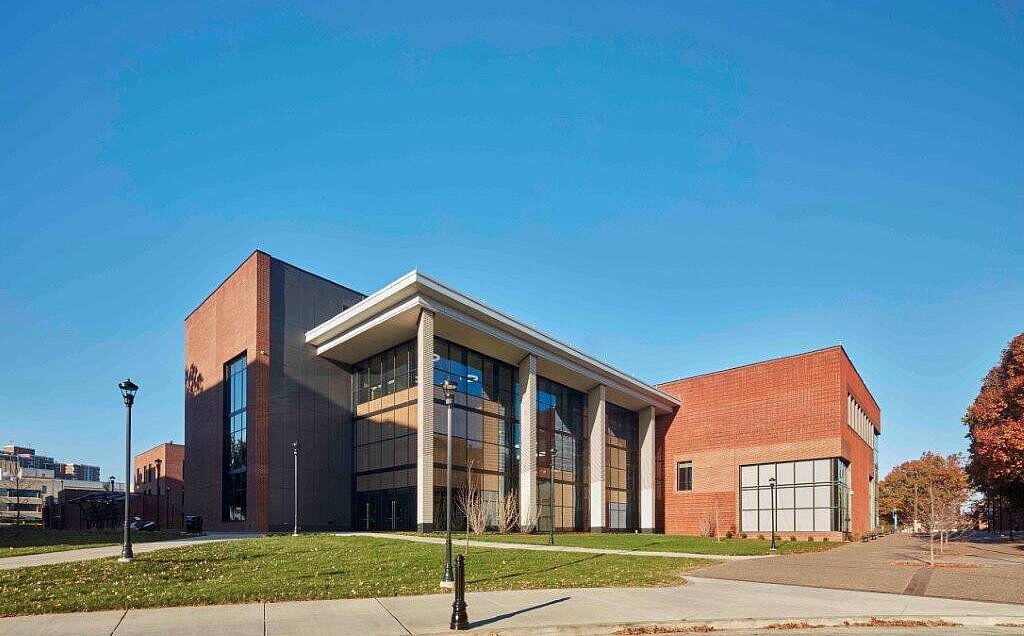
(101, 509)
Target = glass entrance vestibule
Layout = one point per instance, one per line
(486, 452)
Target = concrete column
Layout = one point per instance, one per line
(647, 467)
(528, 440)
(425, 423)
(597, 430)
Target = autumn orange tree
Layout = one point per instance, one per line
(996, 429)
(929, 492)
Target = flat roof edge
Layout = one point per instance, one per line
(320, 334)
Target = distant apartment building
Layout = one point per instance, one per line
(161, 470)
(25, 490)
(81, 472)
(26, 457)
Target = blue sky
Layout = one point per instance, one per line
(675, 189)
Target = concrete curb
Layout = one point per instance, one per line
(736, 624)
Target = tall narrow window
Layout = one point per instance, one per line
(684, 475)
(234, 439)
(621, 459)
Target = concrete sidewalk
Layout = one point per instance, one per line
(551, 548)
(721, 604)
(102, 552)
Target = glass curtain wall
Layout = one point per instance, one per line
(811, 496)
(485, 430)
(235, 425)
(385, 425)
(621, 460)
(561, 424)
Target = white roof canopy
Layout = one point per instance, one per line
(390, 316)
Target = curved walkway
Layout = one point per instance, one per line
(551, 548)
(106, 551)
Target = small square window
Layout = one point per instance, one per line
(684, 476)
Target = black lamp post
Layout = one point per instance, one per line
(295, 483)
(128, 389)
(447, 579)
(551, 492)
(112, 478)
(158, 463)
(774, 548)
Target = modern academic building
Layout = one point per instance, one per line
(276, 355)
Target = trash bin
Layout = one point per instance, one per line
(193, 524)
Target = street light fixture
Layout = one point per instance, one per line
(128, 389)
(295, 483)
(112, 478)
(774, 548)
(551, 492)
(158, 463)
(448, 387)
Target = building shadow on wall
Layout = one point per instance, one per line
(193, 381)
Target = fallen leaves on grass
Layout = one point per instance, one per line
(793, 625)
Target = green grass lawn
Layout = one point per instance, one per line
(22, 540)
(285, 568)
(660, 543)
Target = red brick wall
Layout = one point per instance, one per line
(786, 409)
(172, 471)
(859, 454)
(232, 320)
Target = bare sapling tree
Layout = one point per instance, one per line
(931, 520)
(718, 520)
(508, 512)
(470, 501)
(15, 482)
(707, 525)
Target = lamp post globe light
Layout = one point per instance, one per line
(774, 548)
(448, 387)
(295, 493)
(128, 389)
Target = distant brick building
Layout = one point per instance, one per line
(807, 420)
(169, 482)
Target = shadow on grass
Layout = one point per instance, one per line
(528, 572)
(501, 617)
